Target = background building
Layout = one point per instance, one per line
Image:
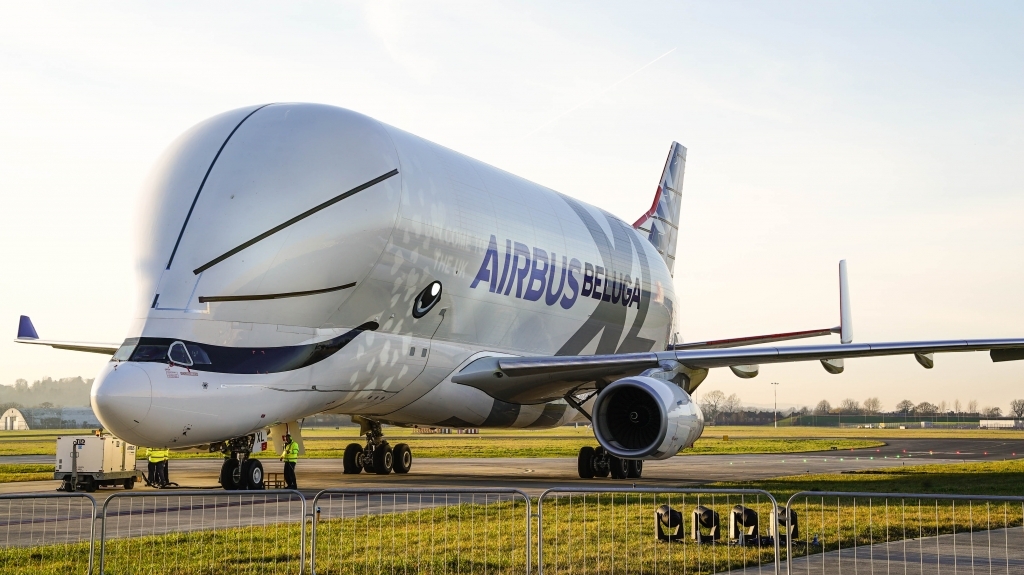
(16, 419)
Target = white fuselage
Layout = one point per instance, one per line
(524, 271)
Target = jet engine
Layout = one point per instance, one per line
(645, 418)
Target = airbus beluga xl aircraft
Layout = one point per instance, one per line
(299, 259)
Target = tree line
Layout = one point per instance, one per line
(716, 405)
(46, 392)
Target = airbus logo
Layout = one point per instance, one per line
(536, 274)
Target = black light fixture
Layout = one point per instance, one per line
(668, 524)
(743, 526)
(703, 518)
(789, 530)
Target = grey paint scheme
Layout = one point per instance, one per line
(433, 221)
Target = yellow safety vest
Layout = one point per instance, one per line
(158, 455)
(291, 452)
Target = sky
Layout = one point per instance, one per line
(888, 134)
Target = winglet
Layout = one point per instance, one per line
(25, 329)
(845, 315)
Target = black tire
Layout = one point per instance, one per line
(228, 472)
(600, 471)
(585, 462)
(402, 458)
(129, 483)
(87, 484)
(252, 475)
(350, 463)
(619, 467)
(635, 468)
(383, 459)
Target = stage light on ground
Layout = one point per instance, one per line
(743, 526)
(703, 518)
(792, 531)
(668, 524)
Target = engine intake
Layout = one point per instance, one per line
(645, 418)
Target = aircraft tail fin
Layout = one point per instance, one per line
(661, 222)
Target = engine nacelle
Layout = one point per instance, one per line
(646, 418)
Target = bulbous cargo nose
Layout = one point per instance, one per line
(121, 397)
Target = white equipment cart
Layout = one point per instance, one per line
(85, 462)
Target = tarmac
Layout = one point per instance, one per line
(533, 475)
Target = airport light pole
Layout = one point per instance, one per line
(775, 386)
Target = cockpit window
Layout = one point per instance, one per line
(199, 356)
(151, 352)
(125, 351)
(178, 354)
(223, 359)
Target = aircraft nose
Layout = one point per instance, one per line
(121, 397)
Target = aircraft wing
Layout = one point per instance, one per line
(540, 379)
(27, 334)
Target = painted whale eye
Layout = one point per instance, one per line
(426, 299)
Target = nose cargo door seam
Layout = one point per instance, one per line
(203, 183)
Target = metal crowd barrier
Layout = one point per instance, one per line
(626, 530)
(919, 533)
(203, 532)
(47, 533)
(421, 531)
(579, 530)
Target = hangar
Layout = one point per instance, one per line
(17, 419)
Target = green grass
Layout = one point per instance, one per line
(12, 472)
(557, 442)
(987, 478)
(843, 522)
(767, 431)
(582, 533)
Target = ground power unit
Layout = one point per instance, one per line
(85, 462)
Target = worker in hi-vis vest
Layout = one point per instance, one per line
(290, 456)
(158, 466)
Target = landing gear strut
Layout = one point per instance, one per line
(240, 470)
(596, 462)
(378, 456)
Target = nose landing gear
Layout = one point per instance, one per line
(378, 456)
(596, 462)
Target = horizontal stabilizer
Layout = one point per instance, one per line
(27, 334)
(754, 340)
(844, 329)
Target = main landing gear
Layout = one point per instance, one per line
(240, 470)
(596, 462)
(378, 456)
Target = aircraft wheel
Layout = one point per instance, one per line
(402, 457)
(619, 467)
(600, 470)
(350, 462)
(585, 462)
(634, 468)
(229, 474)
(383, 459)
(252, 475)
